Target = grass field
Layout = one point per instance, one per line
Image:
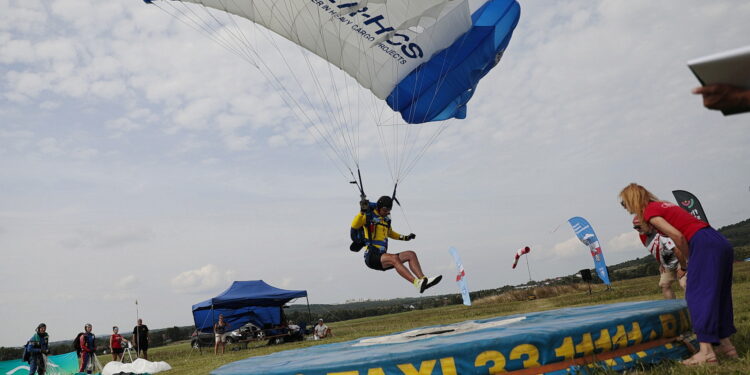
(187, 361)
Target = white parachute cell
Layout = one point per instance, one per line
(419, 61)
(373, 41)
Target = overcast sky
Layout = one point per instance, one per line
(140, 160)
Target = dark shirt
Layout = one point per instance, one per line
(38, 343)
(140, 335)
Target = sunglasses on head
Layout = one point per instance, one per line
(622, 203)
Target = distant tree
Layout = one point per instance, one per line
(8, 354)
(176, 334)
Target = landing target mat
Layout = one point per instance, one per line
(550, 342)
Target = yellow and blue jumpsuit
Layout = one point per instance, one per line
(377, 243)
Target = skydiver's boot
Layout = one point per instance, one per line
(420, 284)
(431, 281)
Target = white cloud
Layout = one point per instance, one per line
(571, 247)
(85, 153)
(126, 282)
(624, 242)
(204, 279)
(49, 145)
(107, 237)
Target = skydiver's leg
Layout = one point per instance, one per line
(394, 260)
(411, 257)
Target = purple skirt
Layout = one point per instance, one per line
(709, 286)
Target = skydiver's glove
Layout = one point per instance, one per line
(409, 237)
(364, 205)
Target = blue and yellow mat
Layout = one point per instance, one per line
(561, 341)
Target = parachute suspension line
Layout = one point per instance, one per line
(204, 28)
(236, 32)
(342, 123)
(426, 146)
(269, 74)
(325, 137)
(406, 150)
(359, 184)
(445, 124)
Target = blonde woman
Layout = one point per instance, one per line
(709, 282)
(220, 334)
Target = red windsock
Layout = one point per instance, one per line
(521, 251)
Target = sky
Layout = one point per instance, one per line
(140, 160)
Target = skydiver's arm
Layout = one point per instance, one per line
(682, 248)
(395, 235)
(31, 348)
(359, 221)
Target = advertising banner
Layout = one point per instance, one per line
(585, 233)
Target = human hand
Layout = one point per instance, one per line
(364, 205)
(410, 237)
(724, 97)
(681, 273)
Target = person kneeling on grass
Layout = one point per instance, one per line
(321, 330)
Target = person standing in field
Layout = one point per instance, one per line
(141, 339)
(115, 344)
(709, 256)
(36, 351)
(88, 349)
(220, 334)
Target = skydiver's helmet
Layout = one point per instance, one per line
(385, 201)
(40, 326)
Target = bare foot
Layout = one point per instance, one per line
(701, 359)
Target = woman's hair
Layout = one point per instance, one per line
(635, 198)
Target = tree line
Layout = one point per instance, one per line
(738, 235)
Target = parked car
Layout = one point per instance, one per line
(201, 339)
(207, 339)
(247, 332)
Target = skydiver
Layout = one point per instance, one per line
(377, 229)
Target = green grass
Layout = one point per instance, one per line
(187, 361)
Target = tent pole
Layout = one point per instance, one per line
(309, 314)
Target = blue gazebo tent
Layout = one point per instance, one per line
(245, 302)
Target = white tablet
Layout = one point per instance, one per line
(729, 67)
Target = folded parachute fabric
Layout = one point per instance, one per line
(139, 366)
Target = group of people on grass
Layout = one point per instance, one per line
(37, 348)
(221, 330)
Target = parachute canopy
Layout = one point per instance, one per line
(425, 58)
(359, 73)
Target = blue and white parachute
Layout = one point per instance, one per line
(422, 58)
